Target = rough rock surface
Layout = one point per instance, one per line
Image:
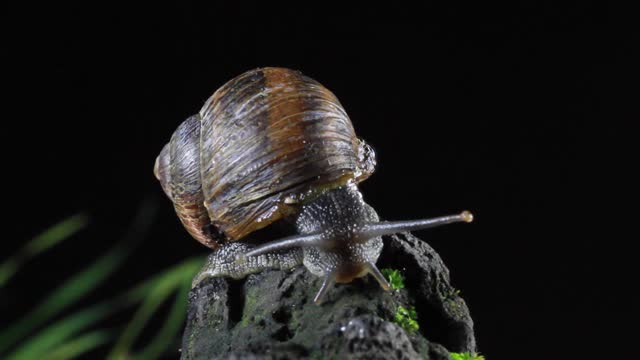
(271, 315)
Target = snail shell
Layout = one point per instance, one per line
(264, 143)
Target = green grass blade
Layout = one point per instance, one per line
(57, 233)
(170, 329)
(82, 283)
(65, 295)
(9, 268)
(187, 268)
(78, 346)
(62, 330)
(42, 343)
(53, 335)
(175, 320)
(165, 285)
(42, 242)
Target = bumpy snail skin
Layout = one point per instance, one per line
(329, 245)
(228, 261)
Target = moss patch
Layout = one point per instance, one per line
(406, 318)
(396, 280)
(250, 306)
(466, 356)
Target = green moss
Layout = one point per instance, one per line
(396, 280)
(406, 318)
(456, 308)
(466, 356)
(251, 301)
(315, 354)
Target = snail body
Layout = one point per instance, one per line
(273, 144)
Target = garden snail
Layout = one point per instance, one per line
(274, 144)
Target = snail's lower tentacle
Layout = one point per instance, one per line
(327, 284)
(373, 270)
(230, 261)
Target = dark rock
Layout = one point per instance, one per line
(271, 315)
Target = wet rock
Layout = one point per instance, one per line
(271, 315)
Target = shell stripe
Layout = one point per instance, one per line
(268, 136)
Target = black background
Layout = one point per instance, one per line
(518, 111)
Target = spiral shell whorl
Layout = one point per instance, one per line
(178, 169)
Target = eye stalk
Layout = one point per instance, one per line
(391, 227)
(347, 271)
(305, 240)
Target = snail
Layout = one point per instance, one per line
(270, 145)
